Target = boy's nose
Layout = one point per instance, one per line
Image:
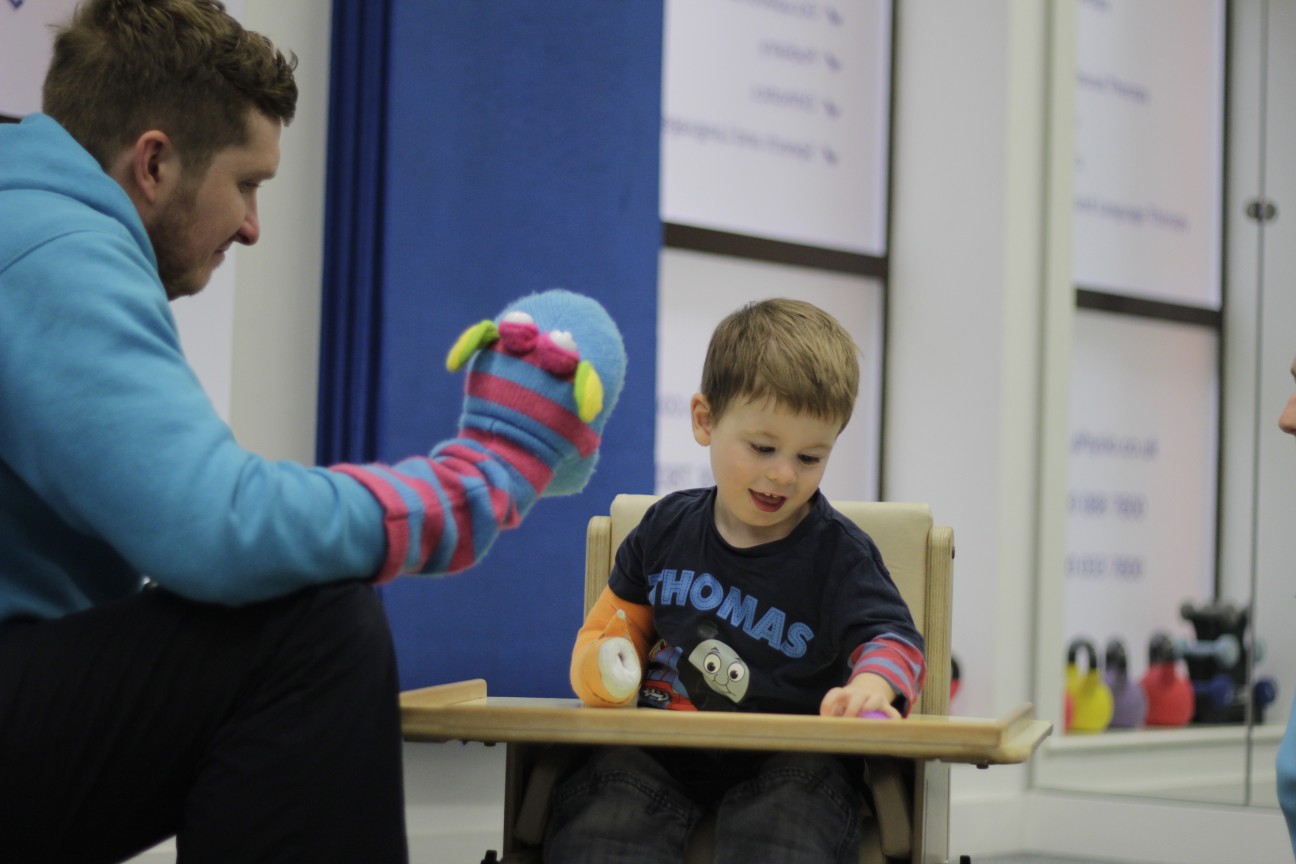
(781, 472)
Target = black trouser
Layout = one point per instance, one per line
(269, 732)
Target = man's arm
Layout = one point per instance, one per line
(536, 401)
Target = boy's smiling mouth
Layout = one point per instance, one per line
(768, 503)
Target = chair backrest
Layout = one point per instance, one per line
(918, 554)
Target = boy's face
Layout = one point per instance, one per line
(767, 462)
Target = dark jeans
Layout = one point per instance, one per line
(264, 733)
(633, 806)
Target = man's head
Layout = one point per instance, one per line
(778, 386)
(183, 108)
(185, 67)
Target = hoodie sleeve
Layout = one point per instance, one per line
(115, 435)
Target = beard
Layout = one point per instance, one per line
(183, 273)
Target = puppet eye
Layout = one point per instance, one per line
(737, 672)
(589, 391)
(563, 339)
(477, 336)
(711, 663)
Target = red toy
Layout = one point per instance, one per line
(1170, 700)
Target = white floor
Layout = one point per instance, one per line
(454, 814)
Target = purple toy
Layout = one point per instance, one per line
(1129, 700)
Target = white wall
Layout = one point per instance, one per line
(277, 286)
(963, 345)
(965, 378)
(978, 346)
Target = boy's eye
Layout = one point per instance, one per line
(762, 448)
(810, 460)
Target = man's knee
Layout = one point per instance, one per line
(339, 629)
(356, 611)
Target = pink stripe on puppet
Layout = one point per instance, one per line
(534, 470)
(395, 519)
(525, 400)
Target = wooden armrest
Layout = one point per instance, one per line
(414, 702)
(444, 694)
(462, 712)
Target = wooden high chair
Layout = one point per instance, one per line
(908, 760)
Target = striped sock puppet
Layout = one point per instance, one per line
(541, 380)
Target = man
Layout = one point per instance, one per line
(245, 701)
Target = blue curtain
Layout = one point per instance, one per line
(487, 150)
(351, 336)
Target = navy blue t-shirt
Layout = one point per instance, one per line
(766, 628)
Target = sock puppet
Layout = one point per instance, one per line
(542, 378)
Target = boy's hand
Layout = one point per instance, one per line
(865, 692)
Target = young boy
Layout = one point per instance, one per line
(752, 595)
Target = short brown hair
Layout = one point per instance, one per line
(186, 67)
(788, 351)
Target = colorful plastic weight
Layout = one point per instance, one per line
(1217, 690)
(1090, 694)
(1129, 702)
(1264, 692)
(1225, 650)
(1169, 695)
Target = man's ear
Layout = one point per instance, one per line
(148, 170)
(703, 419)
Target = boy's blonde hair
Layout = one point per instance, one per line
(788, 351)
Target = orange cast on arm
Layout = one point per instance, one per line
(605, 672)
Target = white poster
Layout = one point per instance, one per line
(1149, 132)
(1142, 493)
(696, 291)
(25, 40)
(775, 119)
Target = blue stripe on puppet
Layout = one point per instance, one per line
(438, 558)
(414, 513)
(547, 444)
(561, 391)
